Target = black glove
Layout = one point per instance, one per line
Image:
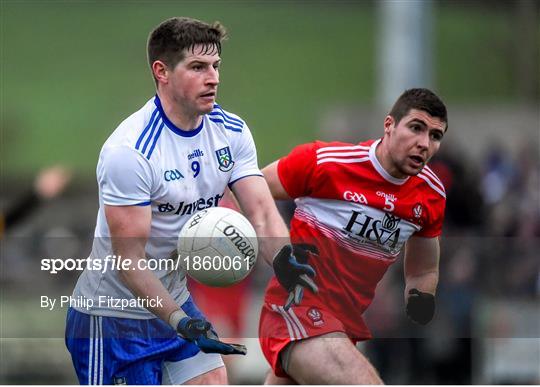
(293, 272)
(201, 333)
(420, 306)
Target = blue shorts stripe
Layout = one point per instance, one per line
(103, 348)
(96, 351)
(100, 350)
(91, 350)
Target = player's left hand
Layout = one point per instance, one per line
(420, 306)
(203, 335)
(293, 272)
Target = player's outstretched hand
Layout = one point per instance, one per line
(201, 333)
(293, 272)
(420, 306)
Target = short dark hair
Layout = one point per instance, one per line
(420, 99)
(168, 40)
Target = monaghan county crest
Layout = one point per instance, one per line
(224, 158)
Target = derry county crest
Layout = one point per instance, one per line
(417, 210)
(224, 159)
(315, 316)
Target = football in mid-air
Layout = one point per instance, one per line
(217, 247)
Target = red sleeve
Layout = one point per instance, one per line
(435, 218)
(296, 169)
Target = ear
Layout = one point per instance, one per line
(388, 124)
(160, 71)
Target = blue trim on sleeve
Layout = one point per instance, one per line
(173, 127)
(240, 178)
(155, 141)
(219, 121)
(222, 116)
(142, 204)
(146, 129)
(233, 119)
(151, 135)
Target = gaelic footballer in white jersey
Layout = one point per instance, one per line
(148, 161)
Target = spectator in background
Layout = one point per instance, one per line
(499, 174)
(464, 204)
(48, 184)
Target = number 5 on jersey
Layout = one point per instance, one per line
(388, 204)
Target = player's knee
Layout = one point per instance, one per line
(216, 376)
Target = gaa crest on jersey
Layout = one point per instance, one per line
(355, 197)
(316, 317)
(224, 159)
(172, 175)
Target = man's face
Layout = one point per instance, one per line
(413, 141)
(194, 81)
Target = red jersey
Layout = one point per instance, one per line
(359, 216)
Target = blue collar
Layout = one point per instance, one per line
(173, 127)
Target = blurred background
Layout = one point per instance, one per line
(295, 71)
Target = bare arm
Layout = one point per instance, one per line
(258, 206)
(130, 228)
(422, 265)
(421, 277)
(272, 179)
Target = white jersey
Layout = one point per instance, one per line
(149, 161)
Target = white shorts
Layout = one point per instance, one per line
(179, 372)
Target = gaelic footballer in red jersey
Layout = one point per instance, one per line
(360, 205)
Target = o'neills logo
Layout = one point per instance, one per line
(241, 243)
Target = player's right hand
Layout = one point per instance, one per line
(293, 272)
(201, 333)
